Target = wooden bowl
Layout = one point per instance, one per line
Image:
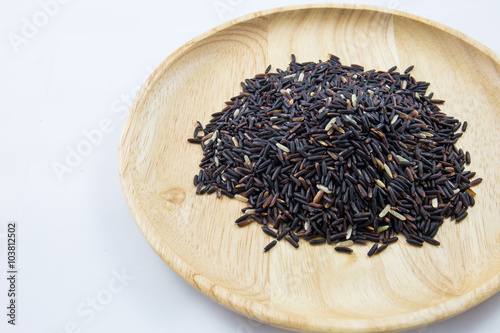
(313, 288)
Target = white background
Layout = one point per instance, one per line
(76, 72)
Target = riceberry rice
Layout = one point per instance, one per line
(339, 155)
(270, 245)
(381, 248)
(373, 249)
(343, 249)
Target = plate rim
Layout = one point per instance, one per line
(257, 311)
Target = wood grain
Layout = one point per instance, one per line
(313, 288)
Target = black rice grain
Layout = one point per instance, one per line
(317, 241)
(431, 241)
(381, 248)
(270, 245)
(292, 241)
(343, 249)
(414, 242)
(373, 249)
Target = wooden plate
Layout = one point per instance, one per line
(313, 288)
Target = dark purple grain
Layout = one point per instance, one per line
(431, 241)
(464, 126)
(476, 181)
(343, 249)
(381, 248)
(408, 69)
(414, 242)
(293, 242)
(270, 245)
(373, 249)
